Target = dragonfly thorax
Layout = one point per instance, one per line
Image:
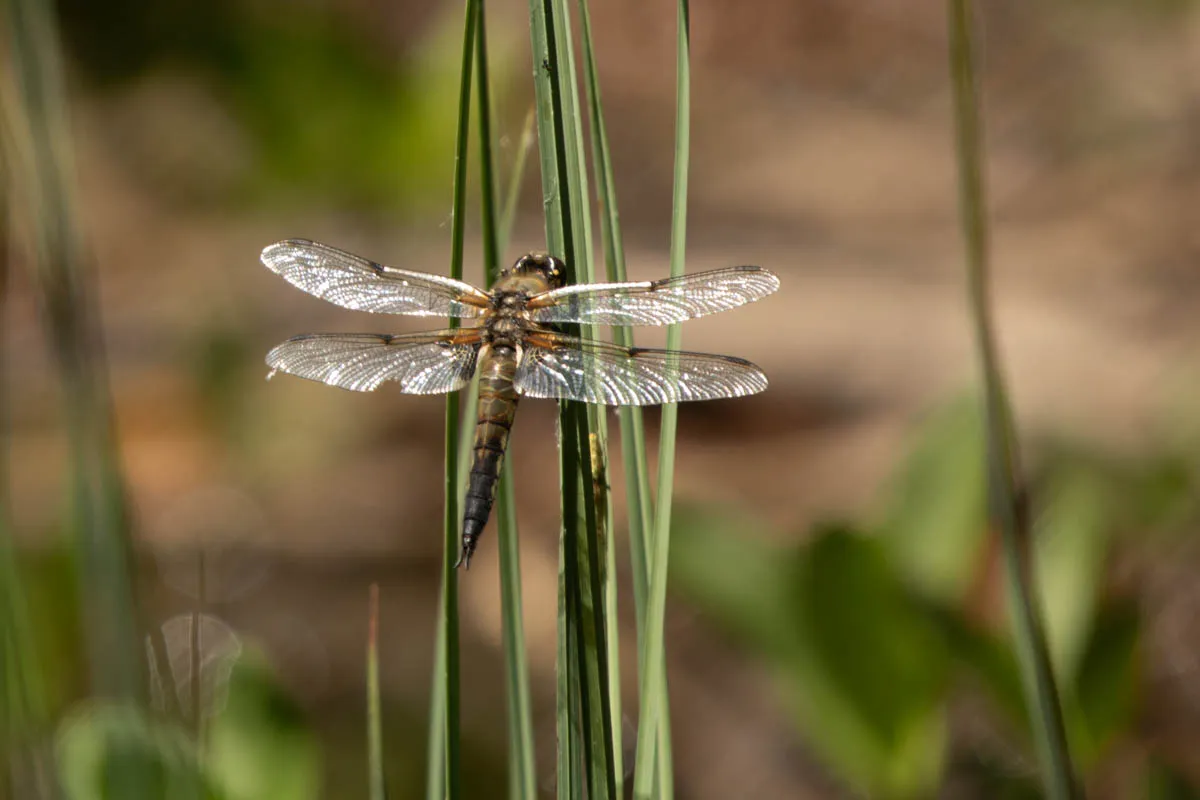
(503, 329)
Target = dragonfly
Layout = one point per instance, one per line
(518, 349)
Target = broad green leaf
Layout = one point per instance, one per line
(109, 751)
(1106, 687)
(735, 577)
(934, 519)
(259, 747)
(1072, 536)
(885, 664)
(859, 658)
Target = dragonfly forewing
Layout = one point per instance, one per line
(660, 302)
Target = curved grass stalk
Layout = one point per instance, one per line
(587, 753)
(443, 777)
(522, 766)
(650, 781)
(633, 432)
(1005, 485)
(101, 518)
(376, 787)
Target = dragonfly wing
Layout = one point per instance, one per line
(434, 362)
(566, 367)
(659, 302)
(356, 283)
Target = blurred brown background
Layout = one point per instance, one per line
(822, 149)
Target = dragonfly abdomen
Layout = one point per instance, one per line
(497, 410)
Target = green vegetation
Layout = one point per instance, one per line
(1008, 502)
(873, 628)
(872, 631)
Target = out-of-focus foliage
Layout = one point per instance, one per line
(99, 745)
(325, 112)
(870, 627)
(258, 748)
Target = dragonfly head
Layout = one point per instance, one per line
(543, 265)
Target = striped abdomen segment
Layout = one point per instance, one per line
(497, 410)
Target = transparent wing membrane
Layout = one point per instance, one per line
(356, 283)
(659, 302)
(434, 362)
(565, 367)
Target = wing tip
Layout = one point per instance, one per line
(770, 279)
(276, 254)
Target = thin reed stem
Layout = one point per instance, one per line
(1006, 492)
(653, 772)
(447, 762)
(101, 516)
(377, 789)
(522, 765)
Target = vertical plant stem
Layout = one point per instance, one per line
(651, 779)
(196, 650)
(585, 711)
(448, 674)
(633, 431)
(569, 750)
(101, 520)
(376, 787)
(25, 764)
(435, 762)
(1005, 486)
(522, 766)
(598, 583)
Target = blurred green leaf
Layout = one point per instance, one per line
(51, 590)
(1106, 688)
(328, 110)
(106, 751)
(259, 747)
(988, 658)
(934, 518)
(859, 657)
(1165, 782)
(737, 579)
(882, 655)
(1071, 546)
(329, 116)
(988, 778)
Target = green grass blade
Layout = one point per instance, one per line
(568, 760)
(447, 674)
(435, 762)
(543, 94)
(25, 762)
(522, 764)
(653, 774)
(1005, 484)
(101, 519)
(375, 781)
(633, 431)
(585, 710)
(598, 587)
